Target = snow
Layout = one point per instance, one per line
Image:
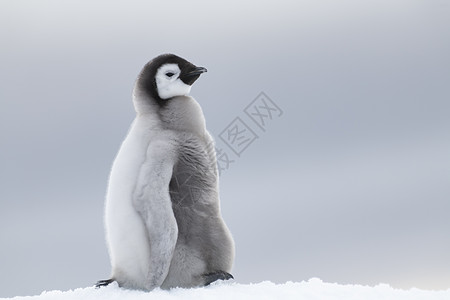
(312, 289)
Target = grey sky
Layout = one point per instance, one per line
(350, 184)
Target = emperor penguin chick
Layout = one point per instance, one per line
(162, 215)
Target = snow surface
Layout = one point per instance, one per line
(312, 289)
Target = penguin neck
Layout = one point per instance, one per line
(183, 113)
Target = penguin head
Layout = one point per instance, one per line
(168, 76)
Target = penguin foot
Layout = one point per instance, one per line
(217, 275)
(101, 283)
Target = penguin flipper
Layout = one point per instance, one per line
(151, 200)
(102, 283)
(217, 275)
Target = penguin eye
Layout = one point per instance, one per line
(169, 74)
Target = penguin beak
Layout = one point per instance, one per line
(196, 71)
(192, 75)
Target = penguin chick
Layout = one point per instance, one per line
(162, 215)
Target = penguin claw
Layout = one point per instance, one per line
(217, 275)
(101, 283)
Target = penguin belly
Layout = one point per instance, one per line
(127, 238)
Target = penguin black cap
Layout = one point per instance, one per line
(147, 82)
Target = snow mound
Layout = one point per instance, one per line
(312, 289)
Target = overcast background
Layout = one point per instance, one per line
(350, 184)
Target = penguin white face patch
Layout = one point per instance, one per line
(168, 82)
